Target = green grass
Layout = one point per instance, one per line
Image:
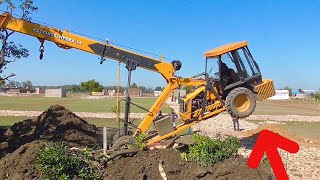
(73, 103)
(288, 107)
(7, 121)
(301, 129)
(76, 104)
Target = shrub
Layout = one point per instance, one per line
(208, 151)
(54, 162)
(317, 96)
(140, 141)
(114, 109)
(265, 161)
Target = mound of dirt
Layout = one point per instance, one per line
(55, 124)
(145, 165)
(21, 164)
(22, 141)
(249, 138)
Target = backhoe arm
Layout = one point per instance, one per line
(173, 84)
(66, 40)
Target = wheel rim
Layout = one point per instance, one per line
(242, 103)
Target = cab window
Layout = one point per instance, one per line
(247, 65)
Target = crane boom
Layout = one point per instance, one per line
(66, 40)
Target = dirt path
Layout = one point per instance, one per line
(80, 114)
(280, 118)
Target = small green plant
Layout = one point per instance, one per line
(114, 109)
(140, 141)
(54, 162)
(86, 153)
(265, 161)
(208, 151)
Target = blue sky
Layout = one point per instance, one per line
(283, 37)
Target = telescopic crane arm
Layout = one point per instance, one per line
(66, 40)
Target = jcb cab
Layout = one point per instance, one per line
(234, 86)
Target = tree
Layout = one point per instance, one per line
(145, 90)
(289, 89)
(300, 91)
(317, 96)
(75, 88)
(27, 85)
(11, 84)
(91, 86)
(134, 85)
(14, 84)
(158, 88)
(2, 82)
(10, 49)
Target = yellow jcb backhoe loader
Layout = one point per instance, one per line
(235, 86)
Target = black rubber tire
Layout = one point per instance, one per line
(231, 98)
(123, 141)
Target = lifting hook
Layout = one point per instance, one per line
(102, 58)
(41, 50)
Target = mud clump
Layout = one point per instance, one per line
(55, 124)
(145, 165)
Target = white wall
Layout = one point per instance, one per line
(55, 93)
(281, 95)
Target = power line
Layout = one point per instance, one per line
(95, 38)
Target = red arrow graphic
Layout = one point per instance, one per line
(268, 142)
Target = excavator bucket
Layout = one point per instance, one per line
(164, 126)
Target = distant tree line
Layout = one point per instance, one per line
(86, 86)
(16, 84)
(95, 86)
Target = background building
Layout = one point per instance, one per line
(55, 93)
(281, 95)
(134, 92)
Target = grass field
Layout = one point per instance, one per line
(73, 103)
(76, 104)
(301, 129)
(288, 107)
(7, 121)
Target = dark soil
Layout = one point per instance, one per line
(55, 124)
(145, 165)
(21, 164)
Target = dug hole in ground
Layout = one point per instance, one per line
(22, 141)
